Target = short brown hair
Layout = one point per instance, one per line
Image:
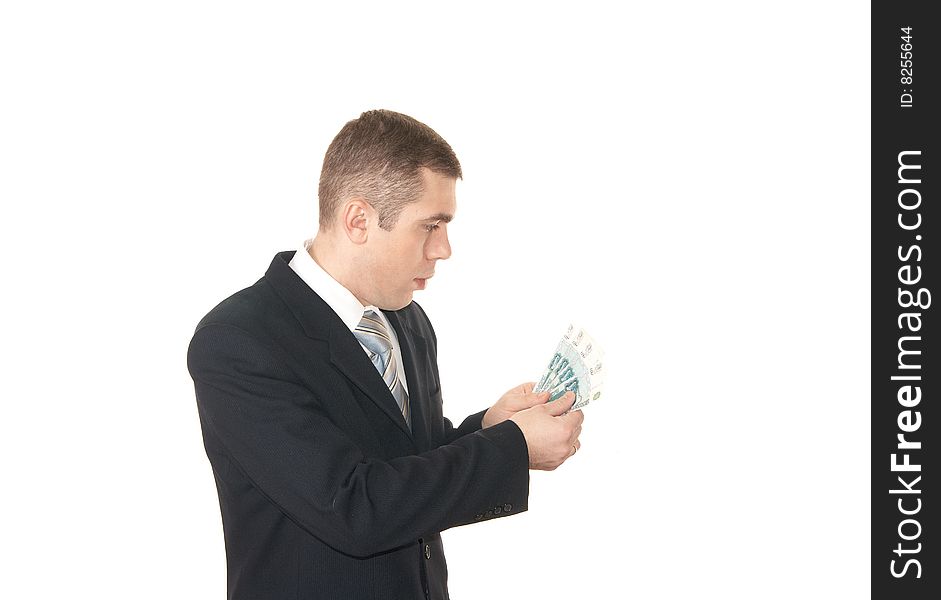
(379, 156)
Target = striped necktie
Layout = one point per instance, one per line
(373, 335)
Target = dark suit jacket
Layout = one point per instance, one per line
(324, 491)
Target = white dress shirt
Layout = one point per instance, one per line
(341, 300)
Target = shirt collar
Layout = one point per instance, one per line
(331, 291)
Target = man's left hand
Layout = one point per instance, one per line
(519, 398)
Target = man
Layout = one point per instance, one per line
(319, 398)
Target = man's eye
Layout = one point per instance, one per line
(431, 227)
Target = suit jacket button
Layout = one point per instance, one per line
(497, 510)
(478, 516)
(490, 513)
(427, 551)
(507, 507)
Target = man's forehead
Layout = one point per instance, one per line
(437, 201)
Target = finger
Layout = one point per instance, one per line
(522, 397)
(575, 448)
(577, 433)
(560, 406)
(536, 399)
(524, 401)
(575, 417)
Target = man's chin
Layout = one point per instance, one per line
(398, 304)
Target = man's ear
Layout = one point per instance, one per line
(355, 217)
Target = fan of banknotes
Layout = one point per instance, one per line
(575, 367)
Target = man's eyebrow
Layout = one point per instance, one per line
(440, 217)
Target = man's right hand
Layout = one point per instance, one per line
(551, 435)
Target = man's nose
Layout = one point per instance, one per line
(440, 248)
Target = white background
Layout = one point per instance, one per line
(690, 181)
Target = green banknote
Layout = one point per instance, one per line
(576, 366)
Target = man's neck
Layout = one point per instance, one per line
(323, 252)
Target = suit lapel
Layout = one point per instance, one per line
(319, 321)
(348, 356)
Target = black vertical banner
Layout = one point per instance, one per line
(906, 381)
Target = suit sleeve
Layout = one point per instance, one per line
(468, 426)
(274, 430)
